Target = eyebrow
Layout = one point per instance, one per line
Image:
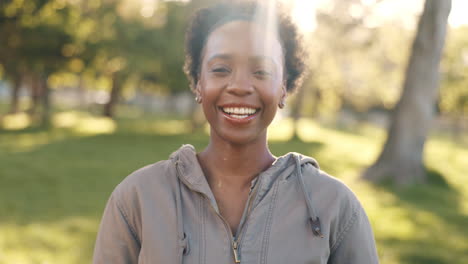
(262, 58)
(258, 58)
(220, 56)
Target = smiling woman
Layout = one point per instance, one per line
(235, 201)
(239, 85)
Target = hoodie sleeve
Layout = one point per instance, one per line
(116, 241)
(355, 244)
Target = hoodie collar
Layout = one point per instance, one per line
(191, 174)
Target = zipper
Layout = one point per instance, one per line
(235, 241)
(235, 251)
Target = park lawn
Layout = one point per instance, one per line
(54, 184)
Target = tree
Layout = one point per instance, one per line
(401, 159)
(351, 58)
(453, 96)
(132, 48)
(33, 35)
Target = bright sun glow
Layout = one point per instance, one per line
(458, 15)
(303, 11)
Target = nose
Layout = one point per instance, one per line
(240, 84)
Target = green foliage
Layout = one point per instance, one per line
(95, 39)
(147, 51)
(32, 36)
(454, 91)
(353, 64)
(361, 66)
(54, 185)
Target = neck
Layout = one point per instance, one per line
(226, 164)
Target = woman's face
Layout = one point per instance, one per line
(241, 82)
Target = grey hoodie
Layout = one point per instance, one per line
(166, 213)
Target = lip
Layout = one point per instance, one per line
(238, 105)
(237, 121)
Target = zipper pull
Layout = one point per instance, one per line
(236, 253)
(316, 228)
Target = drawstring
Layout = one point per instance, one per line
(314, 219)
(183, 240)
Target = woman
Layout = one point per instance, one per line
(234, 202)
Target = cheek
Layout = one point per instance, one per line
(209, 86)
(272, 92)
(209, 94)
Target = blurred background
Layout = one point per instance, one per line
(91, 90)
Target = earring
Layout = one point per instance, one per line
(198, 98)
(281, 104)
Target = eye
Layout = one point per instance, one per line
(220, 70)
(262, 73)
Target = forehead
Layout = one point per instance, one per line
(243, 39)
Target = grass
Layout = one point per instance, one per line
(54, 184)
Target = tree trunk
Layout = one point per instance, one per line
(45, 101)
(15, 89)
(401, 160)
(109, 107)
(81, 93)
(36, 90)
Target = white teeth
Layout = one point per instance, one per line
(239, 116)
(239, 111)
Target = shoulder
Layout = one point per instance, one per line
(148, 174)
(322, 187)
(145, 181)
(327, 187)
(153, 183)
(342, 216)
(336, 203)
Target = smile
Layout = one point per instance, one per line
(239, 112)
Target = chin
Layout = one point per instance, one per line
(240, 141)
(240, 138)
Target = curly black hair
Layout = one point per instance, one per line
(205, 20)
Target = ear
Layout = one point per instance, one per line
(284, 92)
(197, 92)
(283, 96)
(198, 88)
